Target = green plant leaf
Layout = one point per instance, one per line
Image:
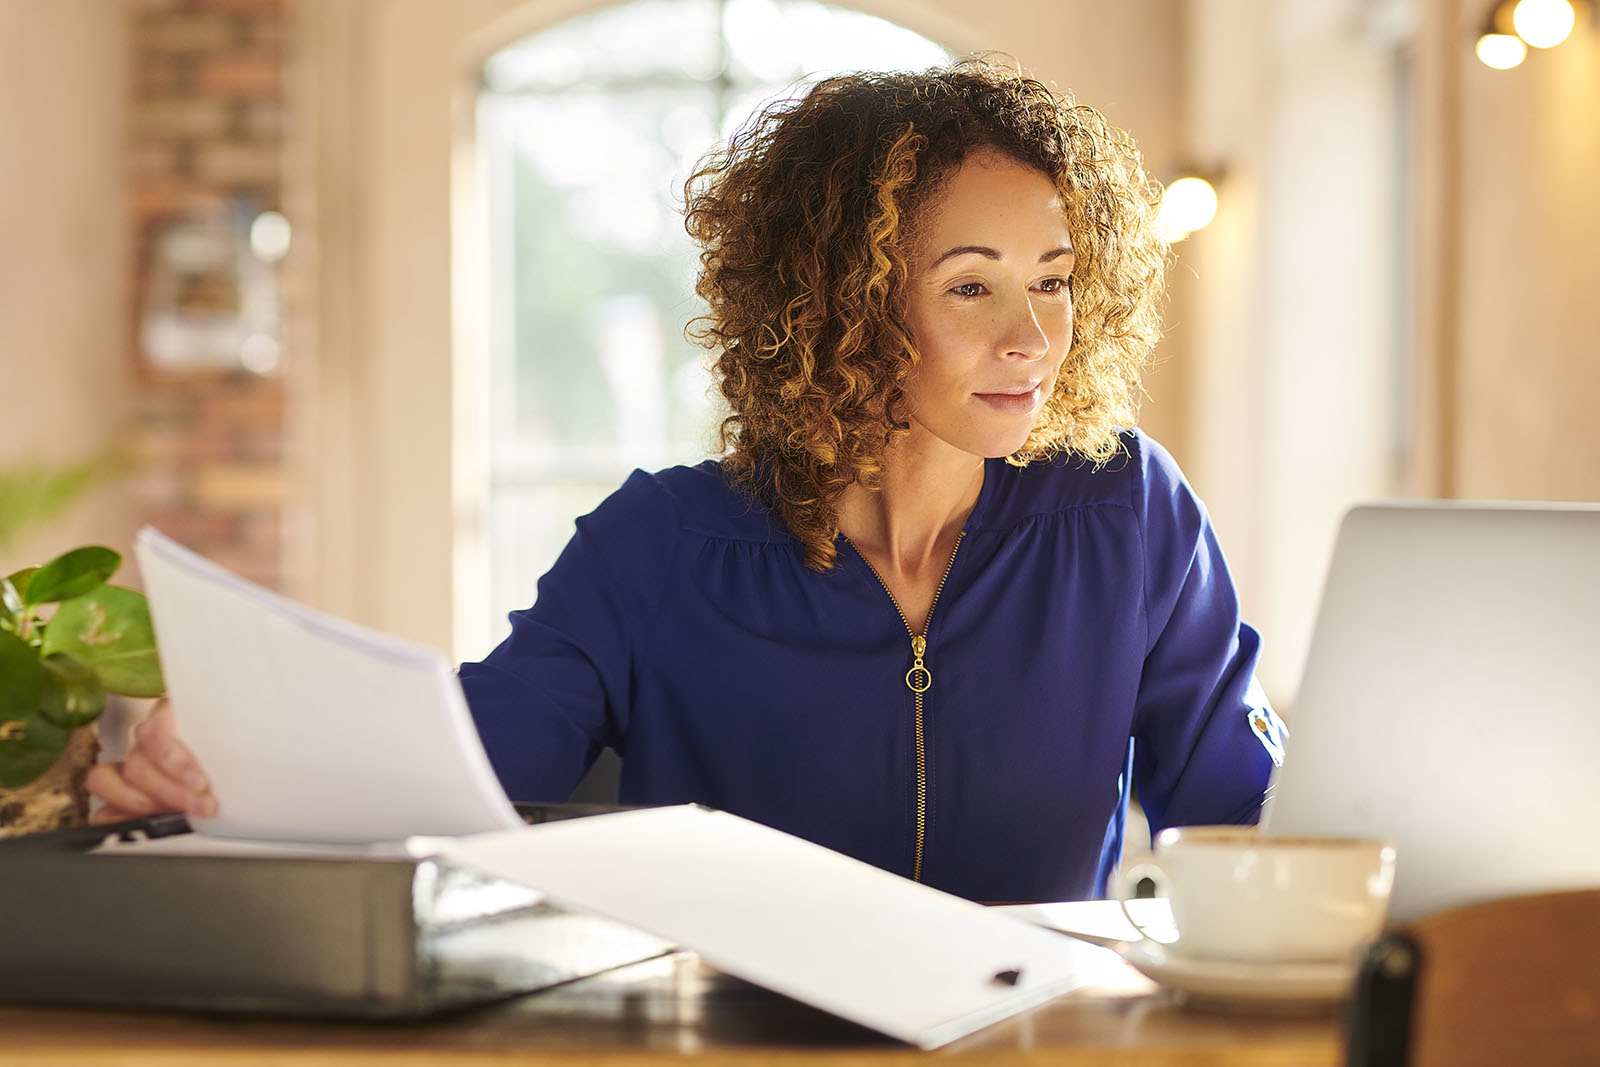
(108, 630)
(73, 695)
(11, 607)
(72, 574)
(28, 746)
(20, 579)
(21, 678)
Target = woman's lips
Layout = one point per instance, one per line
(1012, 403)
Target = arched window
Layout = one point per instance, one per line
(587, 132)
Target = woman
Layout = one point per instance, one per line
(934, 608)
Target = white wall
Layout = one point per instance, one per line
(1289, 304)
(1524, 388)
(1320, 369)
(63, 253)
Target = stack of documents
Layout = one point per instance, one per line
(312, 729)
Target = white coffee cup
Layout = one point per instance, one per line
(1239, 894)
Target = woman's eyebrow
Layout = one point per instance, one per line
(967, 250)
(990, 253)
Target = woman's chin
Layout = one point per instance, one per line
(975, 439)
(1002, 448)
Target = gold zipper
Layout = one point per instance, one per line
(918, 679)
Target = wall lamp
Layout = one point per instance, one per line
(1513, 25)
(1189, 203)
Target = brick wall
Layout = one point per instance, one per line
(205, 152)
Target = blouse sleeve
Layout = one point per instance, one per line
(1205, 738)
(556, 691)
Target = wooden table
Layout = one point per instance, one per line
(658, 1010)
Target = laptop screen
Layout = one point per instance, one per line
(1451, 700)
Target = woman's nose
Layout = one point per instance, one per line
(1024, 335)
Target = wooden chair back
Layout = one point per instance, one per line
(1508, 983)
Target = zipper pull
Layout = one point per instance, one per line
(918, 678)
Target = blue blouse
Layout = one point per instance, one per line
(1087, 641)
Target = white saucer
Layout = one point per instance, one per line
(1240, 986)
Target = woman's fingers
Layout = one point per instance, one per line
(105, 781)
(106, 813)
(159, 775)
(155, 781)
(156, 739)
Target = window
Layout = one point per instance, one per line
(587, 132)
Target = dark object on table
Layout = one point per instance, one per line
(83, 838)
(340, 936)
(1379, 1023)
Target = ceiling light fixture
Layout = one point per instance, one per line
(1543, 23)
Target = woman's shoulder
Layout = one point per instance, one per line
(699, 500)
(1071, 482)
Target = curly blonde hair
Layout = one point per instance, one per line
(806, 220)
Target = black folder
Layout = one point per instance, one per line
(334, 937)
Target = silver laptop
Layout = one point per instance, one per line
(1451, 700)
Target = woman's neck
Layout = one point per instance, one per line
(910, 523)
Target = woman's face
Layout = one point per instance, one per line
(988, 305)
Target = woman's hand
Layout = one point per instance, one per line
(158, 775)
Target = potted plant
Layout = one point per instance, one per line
(67, 639)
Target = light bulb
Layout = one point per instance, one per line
(1543, 23)
(1189, 204)
(1501, 50)
(269, 236)
(260, 353)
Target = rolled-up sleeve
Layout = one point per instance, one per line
(558, 689)
(1206, 739)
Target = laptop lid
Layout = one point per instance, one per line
(1451, 699)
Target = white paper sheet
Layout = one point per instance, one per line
(312, 729)
(901, 958)
(1101, 918)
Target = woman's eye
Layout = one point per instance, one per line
(968, 289)
(1052, 285)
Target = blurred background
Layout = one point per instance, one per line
(367, 299)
